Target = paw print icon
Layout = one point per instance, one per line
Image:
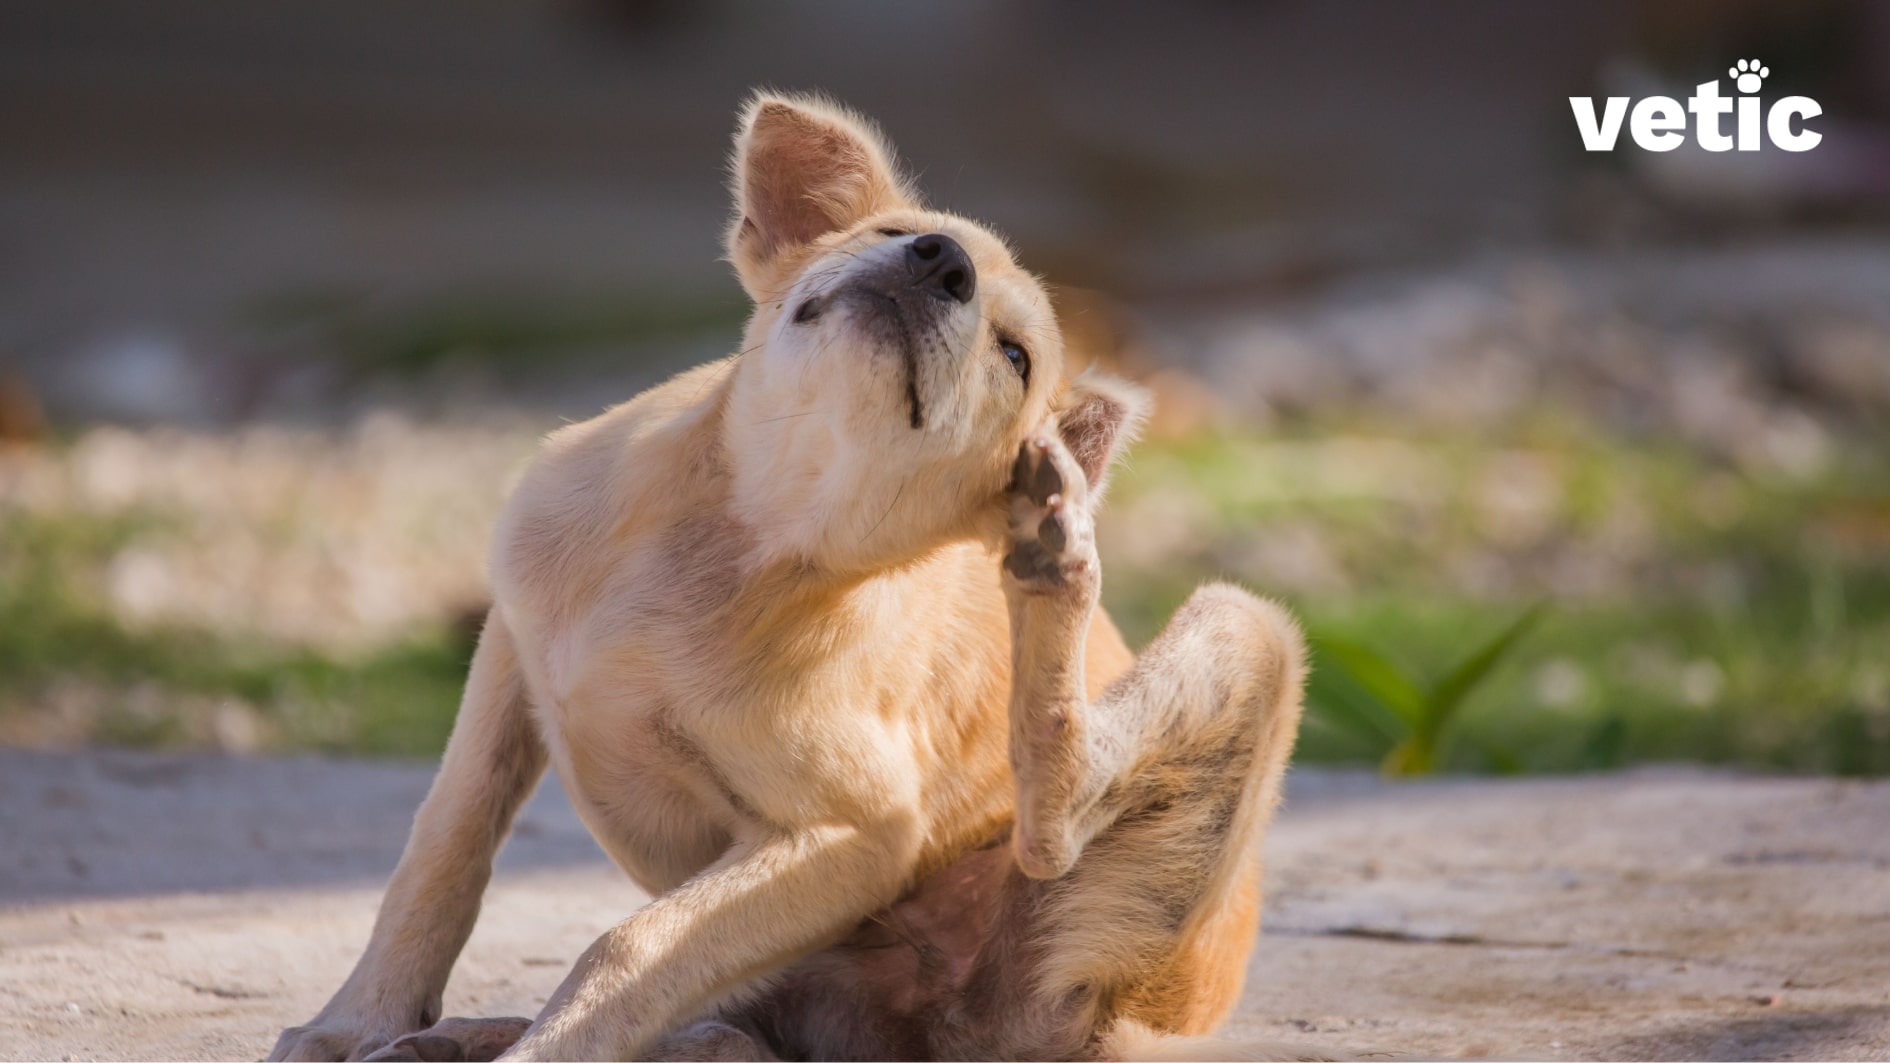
(1748, 74)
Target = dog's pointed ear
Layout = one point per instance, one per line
(1098, 416)
(803, 168)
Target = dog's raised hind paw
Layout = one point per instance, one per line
(1053, 536)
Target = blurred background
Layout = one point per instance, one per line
(1568, 460)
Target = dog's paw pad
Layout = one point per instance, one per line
(1051, 531)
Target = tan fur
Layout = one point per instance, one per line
(806, 635)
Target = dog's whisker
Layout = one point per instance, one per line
(783, 417)
(888, 513)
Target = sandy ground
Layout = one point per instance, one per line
(182, 906)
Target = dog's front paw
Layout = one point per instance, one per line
(342, 1031)
(322, 1041)
(1052, 534)
(454, 1040)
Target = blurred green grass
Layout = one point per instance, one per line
(62, 651)
(1738, 617)
(1695, 609)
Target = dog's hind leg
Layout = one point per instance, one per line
(1139, 818)
(1145, 808)
(1223, 680)
(492, 762)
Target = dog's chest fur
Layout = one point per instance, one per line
(691, 700)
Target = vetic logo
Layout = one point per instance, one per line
(1657, 121)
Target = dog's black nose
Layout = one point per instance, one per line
(938, 264)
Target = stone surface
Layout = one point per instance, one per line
(185, 907)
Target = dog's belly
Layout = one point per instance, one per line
(947, 972)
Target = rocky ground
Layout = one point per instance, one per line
(187, 906)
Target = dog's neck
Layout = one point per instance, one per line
(814, 503)
(842, 540)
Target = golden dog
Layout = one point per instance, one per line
(810, 634)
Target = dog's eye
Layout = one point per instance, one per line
(895, 232)
(807, 311)
(1018, 357)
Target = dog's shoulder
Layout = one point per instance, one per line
(596, 487)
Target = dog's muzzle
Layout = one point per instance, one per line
(938, 266)
(906, 300)
(934, 274)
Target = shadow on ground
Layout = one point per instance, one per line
(105, 823)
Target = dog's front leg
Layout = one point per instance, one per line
(766, 902)
(492, 761)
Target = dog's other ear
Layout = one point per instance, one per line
(803, 168)
(1098, 416)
